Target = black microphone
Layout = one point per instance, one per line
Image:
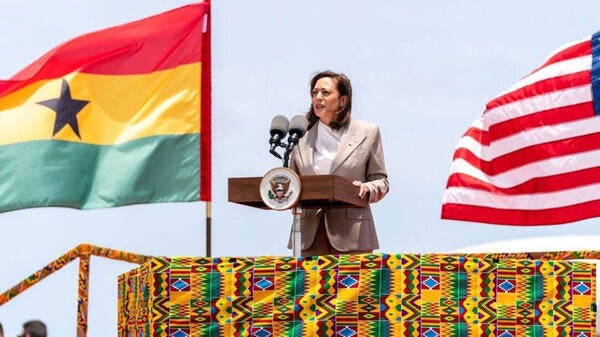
(279, 127)
(298, 126)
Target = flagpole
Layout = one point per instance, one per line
(208, 228)
(206, 126)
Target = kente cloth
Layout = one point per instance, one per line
(357, 295)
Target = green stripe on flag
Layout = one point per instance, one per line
(80, 175)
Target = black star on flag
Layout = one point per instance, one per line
(66, 109)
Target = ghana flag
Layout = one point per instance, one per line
(115, 117)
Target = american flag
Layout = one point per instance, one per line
(533, 157)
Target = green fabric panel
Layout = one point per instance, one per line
(86, 176)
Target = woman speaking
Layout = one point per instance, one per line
(339, 145)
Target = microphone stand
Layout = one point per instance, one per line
(296, 230)
(292, 142)
(286, 158)
(296, 209)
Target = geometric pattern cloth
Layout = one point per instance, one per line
(427, 295)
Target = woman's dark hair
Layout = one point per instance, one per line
(344, 87)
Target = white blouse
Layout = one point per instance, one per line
(326, 145)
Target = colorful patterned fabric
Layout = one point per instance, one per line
(357, 295)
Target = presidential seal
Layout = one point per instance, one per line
(280, 188)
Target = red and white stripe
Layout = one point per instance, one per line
(533, 158)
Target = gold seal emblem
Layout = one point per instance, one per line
(280, 188)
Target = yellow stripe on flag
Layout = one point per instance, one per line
(121, 107)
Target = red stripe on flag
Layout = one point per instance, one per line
(552, 216)
(548, 117)
(537, 185)
(471, 158)
(542, 87)
(576, 50)
(479, 135)
(155, 43)
(531, 154)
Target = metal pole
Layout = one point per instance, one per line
(208, 228)
(296, 233)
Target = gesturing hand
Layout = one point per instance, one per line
(364, 189)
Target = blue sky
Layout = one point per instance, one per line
(422, 70)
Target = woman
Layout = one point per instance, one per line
(336, 144)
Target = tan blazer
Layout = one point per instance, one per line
(359, 157)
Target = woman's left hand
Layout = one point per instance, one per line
(364, 189)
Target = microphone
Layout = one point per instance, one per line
(279, 127)
(298, 126)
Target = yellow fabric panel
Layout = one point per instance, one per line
(430, 296)
(506, 298)
(582, 301)
(121, 107)
(348, 294)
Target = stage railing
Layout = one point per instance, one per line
(84, 251)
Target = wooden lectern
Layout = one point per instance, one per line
(317, 191)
